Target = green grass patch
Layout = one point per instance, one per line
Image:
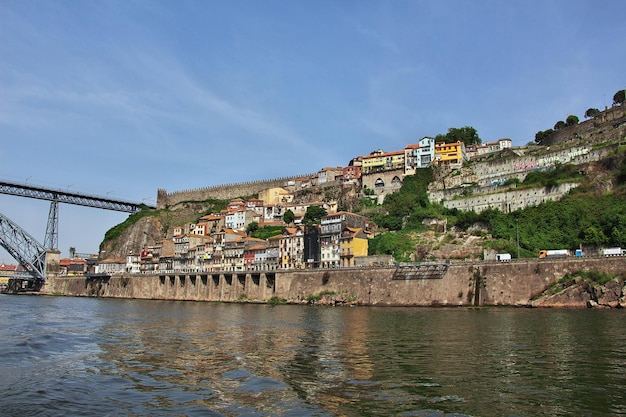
(318, 296)
(276, 301)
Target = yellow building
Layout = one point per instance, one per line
(379, 160)
(273, 196)
(450, 154)
(353, 242)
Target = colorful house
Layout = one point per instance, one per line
(353, 243)
(450, 154)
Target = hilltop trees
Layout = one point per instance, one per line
(591, 113)
(619, 97)
(571, 120)
(467, 134)
(543, 135)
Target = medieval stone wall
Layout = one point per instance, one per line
(226, 191)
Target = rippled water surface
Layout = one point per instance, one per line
(101, 357)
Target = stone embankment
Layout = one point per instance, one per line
(521, 283)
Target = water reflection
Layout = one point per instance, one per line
(157, 358)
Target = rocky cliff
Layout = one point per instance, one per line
(580, 292)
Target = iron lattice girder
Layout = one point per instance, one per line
(23, 247)
(51, 240)
(80, 199)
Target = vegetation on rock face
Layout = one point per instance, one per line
(116, 231)
(581, 278)
(183, 212)
(559, 175)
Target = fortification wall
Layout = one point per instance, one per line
(602, 126)
(226, 191)
(464, 284)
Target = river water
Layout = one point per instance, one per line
(63, 356)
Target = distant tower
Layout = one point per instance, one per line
(162, 200)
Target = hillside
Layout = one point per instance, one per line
(411, 225)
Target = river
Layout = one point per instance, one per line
(64, 356)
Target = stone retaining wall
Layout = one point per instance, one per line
(464, 284)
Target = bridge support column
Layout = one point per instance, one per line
(51, 240)
(53, 261)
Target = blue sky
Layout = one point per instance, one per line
(121, 98)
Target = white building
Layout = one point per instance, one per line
(419, 155)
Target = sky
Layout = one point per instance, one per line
(121, 98)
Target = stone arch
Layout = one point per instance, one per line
(396, 183)
(379, 183)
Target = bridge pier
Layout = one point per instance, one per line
(53, 261)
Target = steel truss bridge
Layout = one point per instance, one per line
(27, 250)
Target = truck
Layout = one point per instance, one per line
(612, 252)
(503, 257)
(554, 253)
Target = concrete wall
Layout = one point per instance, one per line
(508, 201)
(464, 284)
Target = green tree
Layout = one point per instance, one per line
(621, 173)
(400, 245)
(591, 113)
(542, 135)
(467, 134)
(252, 227)
(619, 97)
(314, 215)
(559, 125)
(289, 217)
(266, 232)
(594, 236)
(571, 120)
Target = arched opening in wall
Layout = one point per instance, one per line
(379, 183)
(396, 183)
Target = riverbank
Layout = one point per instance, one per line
(524, 283)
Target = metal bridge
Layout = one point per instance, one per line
(26, 249)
